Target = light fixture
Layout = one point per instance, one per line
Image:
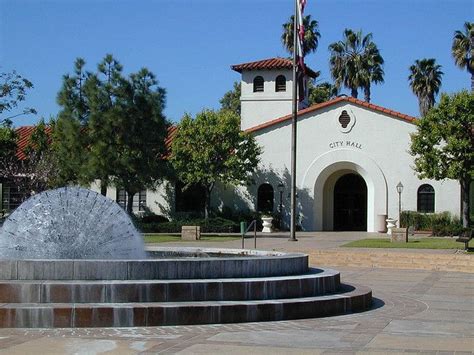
(399, 190)
(400, 187)
(281, 187)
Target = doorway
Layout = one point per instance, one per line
(350, 203)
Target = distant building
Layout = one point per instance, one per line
(351, 156)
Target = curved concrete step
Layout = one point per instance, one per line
(54, 315)
(314, 283)
(247, 265)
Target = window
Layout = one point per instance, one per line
(258, 84)
(139, 200)
(425, 199)
(265, 198)
(12, 196)
(280, 83)
(191, 199)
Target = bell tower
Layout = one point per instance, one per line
(267, 90)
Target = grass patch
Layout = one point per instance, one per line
(160, 238)
(421, 243)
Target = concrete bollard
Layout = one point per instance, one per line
(190, 232)
(399, 235)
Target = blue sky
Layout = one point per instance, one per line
(190, 44)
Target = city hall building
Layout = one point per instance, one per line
(351, 155)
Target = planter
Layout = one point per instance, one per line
(391, 223)
(267, 224)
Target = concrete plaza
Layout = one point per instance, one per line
(415, 311)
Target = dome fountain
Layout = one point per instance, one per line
(72, 258)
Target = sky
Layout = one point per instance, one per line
(191, 44)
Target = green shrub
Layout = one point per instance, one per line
(212, 225)
(448, 230)
(153, 218)
(442, 224)
(420, 221)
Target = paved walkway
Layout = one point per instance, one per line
(415, 311)
(324, 249)
(305, 240)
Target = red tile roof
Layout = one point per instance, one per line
(272, 63)
(330, 103)
(169, 138)
(25, 132)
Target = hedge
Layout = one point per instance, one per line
(441, 224)
(212, 225)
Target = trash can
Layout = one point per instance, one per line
(381, 223)
(243, 227)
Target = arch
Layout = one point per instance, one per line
(265, 198)
(425, 199)
(258, 84)
(280, 83)
(321, 176)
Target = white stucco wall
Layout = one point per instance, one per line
(275, 104)
(159, 201)
(374, 145)
(376, 148)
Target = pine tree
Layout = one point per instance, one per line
(139, 128)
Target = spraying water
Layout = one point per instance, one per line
(70, 223)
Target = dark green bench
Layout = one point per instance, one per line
(465, 237)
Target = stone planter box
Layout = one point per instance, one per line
(190, 232)
(399, 235)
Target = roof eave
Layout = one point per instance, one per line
(398, 115)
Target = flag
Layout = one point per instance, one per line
(299, 53)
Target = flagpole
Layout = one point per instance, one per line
(293, 131)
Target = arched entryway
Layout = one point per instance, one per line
(322, 175)
(350, 203)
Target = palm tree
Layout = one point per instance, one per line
(372, 69)
(356, 62)
(311, 35)
(425, 81)
(463, 49)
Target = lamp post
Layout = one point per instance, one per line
(281, 187)
(399, 190)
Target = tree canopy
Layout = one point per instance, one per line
(32, 169)
(231, 99)
(319, 93)
(140, 129)
(463, 49)
(356, 62)
(211, 148)
(13, 89)
(443, 144)
(311, 35)
(425, 82)
(30, 172)
(112, 128)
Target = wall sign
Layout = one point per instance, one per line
(341, 144)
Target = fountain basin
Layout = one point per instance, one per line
(230, 263)
(185, 286)
(72, 258)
